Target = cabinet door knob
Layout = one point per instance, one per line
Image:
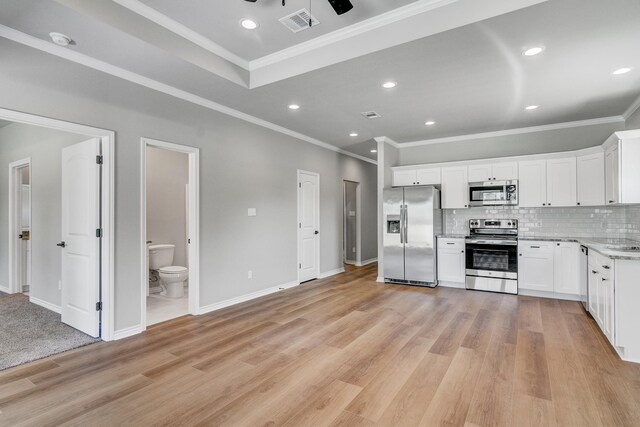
(544, 204)
(462, 251)
(578, 203)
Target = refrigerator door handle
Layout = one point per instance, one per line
(401, 224)
(406, 224)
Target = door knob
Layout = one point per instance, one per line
(316, 232)
(61, 244)
(19, 236)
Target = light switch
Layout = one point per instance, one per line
(252, 212)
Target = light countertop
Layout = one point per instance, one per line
(602, 246)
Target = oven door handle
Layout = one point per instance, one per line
(493, 242)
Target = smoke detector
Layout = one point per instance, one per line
(299, 21)
(60, 39)
(371, 115)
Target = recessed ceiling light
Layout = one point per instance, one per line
(60, 39)
(430, 123)
(249, 24)
(389, 85)
(374, 151)
(531, 107)
(619, 71)
(533, 51)
(294, 107)
(354, 134)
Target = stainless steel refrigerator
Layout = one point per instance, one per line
(412, 219)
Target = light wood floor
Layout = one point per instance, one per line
(343, 351)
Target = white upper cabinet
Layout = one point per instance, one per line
(479, 173)
(591, 180)
(429, 176)
(532, 183)
(493, 172)
(402, 178)
(454, 187)
(612, 175)
(409, 177)
(505, 171)
(561, 182)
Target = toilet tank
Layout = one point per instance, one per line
(160, 256)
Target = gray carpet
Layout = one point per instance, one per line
(2, 294)
(29, 332)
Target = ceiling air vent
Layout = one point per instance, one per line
(371, 115)
(299, 20)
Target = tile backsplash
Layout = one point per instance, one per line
(611, 221)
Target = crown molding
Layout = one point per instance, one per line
(386, 139)
(96, 64)
(349, 31)
(519, 131)
(632, 109)
(183, 31)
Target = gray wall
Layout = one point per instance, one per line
(242, 166)
(633, 122)
(512, 145)
(167, 175)
(44, 146)
(351, 212)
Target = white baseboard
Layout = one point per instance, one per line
(331, 273)
(47, 305)
(380, 279)
(243, 298)
(366, 262)
(127, 332)
(350, 262)
(553, 295)
(455, 285)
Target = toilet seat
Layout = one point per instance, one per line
(173, 269)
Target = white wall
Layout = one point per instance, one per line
(167, 175)
(633, 122)
(44, 146)
(242, 165)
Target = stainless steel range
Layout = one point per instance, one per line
(492, 255)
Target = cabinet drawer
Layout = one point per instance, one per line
(603, 264)
(533, 246)
(449, 243)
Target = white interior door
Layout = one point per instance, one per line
(80, 246)
(25, 228)
(308, 226)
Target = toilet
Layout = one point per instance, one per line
(172, 277)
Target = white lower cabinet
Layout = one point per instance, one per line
(535, 266)
(602, 293)
(551, 267)
(451, 260)
(566, 264)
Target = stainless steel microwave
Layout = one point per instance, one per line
(493, 193)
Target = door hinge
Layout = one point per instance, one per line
(189, 241)
(299, 225)
(99, 233)
(98, 306)
(99, 159)
(299, 266)
(299, 185)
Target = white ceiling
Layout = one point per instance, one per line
(469, 79)
(219, 22)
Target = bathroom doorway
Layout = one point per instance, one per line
(169, 231)
(20, 201)
(351, 223)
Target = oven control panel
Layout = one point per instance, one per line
(493, 223)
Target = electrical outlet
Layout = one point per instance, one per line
(59, 285)
(249, 274)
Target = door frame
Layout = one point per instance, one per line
(193, 250)
(299, 173)
(14, 223)
(107, 139)
(358, 260)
